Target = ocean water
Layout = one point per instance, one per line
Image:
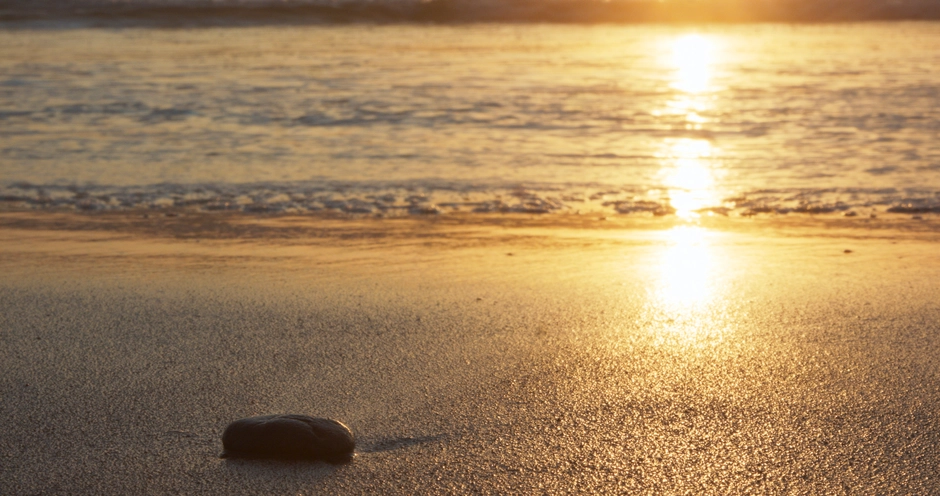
(410, 119)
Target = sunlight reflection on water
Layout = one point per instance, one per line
(687, 172)
(693, 56)
(687, 163)
(402, 120)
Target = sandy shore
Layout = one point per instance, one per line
(509, 357)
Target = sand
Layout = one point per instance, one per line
(506, 356)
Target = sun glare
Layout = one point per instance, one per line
(688, 175)
(684, 268)
(688, 171)
(692, 57)
(685, 301)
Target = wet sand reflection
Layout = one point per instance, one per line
(686, 302)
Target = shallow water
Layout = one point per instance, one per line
(406, 119)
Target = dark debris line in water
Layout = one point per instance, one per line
(206, 12)
(394, 201)
(288, 437)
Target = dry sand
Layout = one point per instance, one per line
(494, 357)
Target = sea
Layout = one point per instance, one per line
(392, 119)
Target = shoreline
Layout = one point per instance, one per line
(188, 223)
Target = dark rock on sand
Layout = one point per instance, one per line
(288, 437)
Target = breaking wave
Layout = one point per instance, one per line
(429, 198)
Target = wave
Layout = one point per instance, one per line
(235, 12)
(389, 199)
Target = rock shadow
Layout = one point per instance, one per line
(271, 473)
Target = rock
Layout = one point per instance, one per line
(288, 437)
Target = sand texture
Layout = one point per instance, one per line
(490, 359)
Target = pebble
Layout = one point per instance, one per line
(288, 437)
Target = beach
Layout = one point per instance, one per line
(476, 354)
(519, 257)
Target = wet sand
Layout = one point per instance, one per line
(502, 357)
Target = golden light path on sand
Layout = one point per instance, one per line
(685, 267)
(685, 302)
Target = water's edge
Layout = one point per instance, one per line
(393, 200)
